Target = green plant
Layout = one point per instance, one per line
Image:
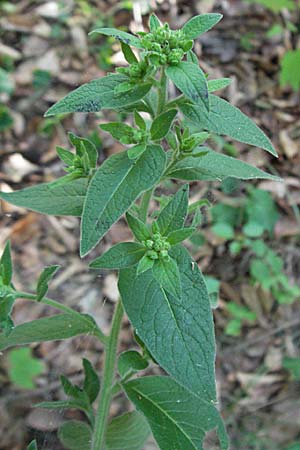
(23, 368)
(161, 288)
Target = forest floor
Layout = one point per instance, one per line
(45, 48)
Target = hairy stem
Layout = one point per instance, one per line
(162, 92)
(107, 381)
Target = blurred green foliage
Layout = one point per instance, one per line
(23, 368)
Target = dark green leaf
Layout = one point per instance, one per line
(139, 120)
(50, 198)
(42, 285)
(6, 267)
(180, 235)
(127, 432)
(71, 390)
(84, 145)
(60, 405)
(166, 319)
(99, 94)
(136, 151)
(221, 83)
(191, 81)
(122, 36)
(216, 166)
(128, 53)
(154, 23)
(91, 385)
(174, 213)
(167, 274)
(114, 188)
(130, 362)
(120, 256)
(161, 124)
(75, 435)
(60, 326)
(226, 119)
(138, 228)
(178, 419)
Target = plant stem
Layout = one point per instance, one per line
(145, 205)
(66, 309)
(107, 381)
(162, 92)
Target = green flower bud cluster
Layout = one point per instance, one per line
(79, 167)
(136, 137)
(166, 46)
(136, 71)
(158, 247)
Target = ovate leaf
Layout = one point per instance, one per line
(75, 435)
(167, 274)
(130, 362)
(216, 166)
(290, 73)
(180, 235)
(226, 119)
(128, 53)
(161, 124)
(127, 432)
(60, 326)
(138, 228)
(85, 145)
(166, 319)
(64, 199)
(200, 24)
(178, 419)
(99, 94)
(136, 151)
(120, 256)
(42, 285)
(91, 384)
(23, 368)
(114, 188)
(6, 267)
(216, 85)
(174, 213)
(191, 81)
(154, 23)
(122, 36)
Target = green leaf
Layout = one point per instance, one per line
(162, 124)
(293, 366)
(60, 326)
(224, 230)
(139, 120)
(225, 119)
(23, 368)
(117, 130)
(165, 319)
(65, 155)
(91, 384)
(289, 74)
(276, 5)
(127, 432)
(72, 390)
(122, 36)
(60, 405)
(84, 145)
(136, 151)
(145, 264)
(167, 274)
(174, 213)
(128, 53)
(178, 419)
(32, 445)
(253, 229)
(6, 267)
(192, 57)
(138, 228)
(75, 435)
(241, 312)
(114, 188)
(6, 120)
(50, 198)
(200, 24)
(131, 362)
(191, 81)
(42, 285)
(180, 235)
(216, 166)
(220, 83)
(154, 23)
(261, 208)
(120, 256)
(99, 94)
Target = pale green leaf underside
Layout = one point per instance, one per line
(60, 326)
(226, 119)
(98, 94)
(191, 81)
(113, 189)
(177, 331)
(216, 166)
(49, 198)
(179, 420)
(127, 432)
